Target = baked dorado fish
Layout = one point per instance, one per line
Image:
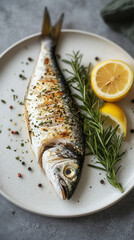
(53, 119)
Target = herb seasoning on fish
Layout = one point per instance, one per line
(53, 119)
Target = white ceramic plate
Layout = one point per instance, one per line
(90, 195)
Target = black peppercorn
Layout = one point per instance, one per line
(39, 185)
(97, 58)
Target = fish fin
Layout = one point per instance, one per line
(46, 26)
(57, 27)
(48, 29)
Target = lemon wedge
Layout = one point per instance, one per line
(116, 116)
(111, 80)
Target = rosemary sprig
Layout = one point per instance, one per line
(103, 142)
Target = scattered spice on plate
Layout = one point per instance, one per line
(12, 90)
(17, 158)
(132, 130)
(15, 132)
(39, 185)
(30, 59)
(8, 147)
(11, 107)
(22, 77)
(19, 114)
(19, 175)
(29, 169)
(15, 97)
(102, 181)
(3, 101)
(21, 103)
(22, 144)
(97, 58)
(11, 120)
(23, 163)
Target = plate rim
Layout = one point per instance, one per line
(131, 182)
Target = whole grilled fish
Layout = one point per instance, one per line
(53, 119)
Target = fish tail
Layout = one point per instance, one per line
(48, 29)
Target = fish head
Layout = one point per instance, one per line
(69, 175)
(63, 171)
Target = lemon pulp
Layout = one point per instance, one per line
(111, 80)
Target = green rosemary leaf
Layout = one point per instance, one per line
(93, 166)
(66, 61)
(105, 119)
(112, 134)
(83, 108)
(77, 96)
(118, 169)
(64, 69)
(76, 88)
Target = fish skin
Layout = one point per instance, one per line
(54, 123)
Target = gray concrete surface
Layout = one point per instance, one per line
(18, 19)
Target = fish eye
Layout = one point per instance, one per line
(70, 172)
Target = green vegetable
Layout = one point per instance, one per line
(103, 143)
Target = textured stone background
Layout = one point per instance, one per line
(18, 19)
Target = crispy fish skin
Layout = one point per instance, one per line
(53, 119)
